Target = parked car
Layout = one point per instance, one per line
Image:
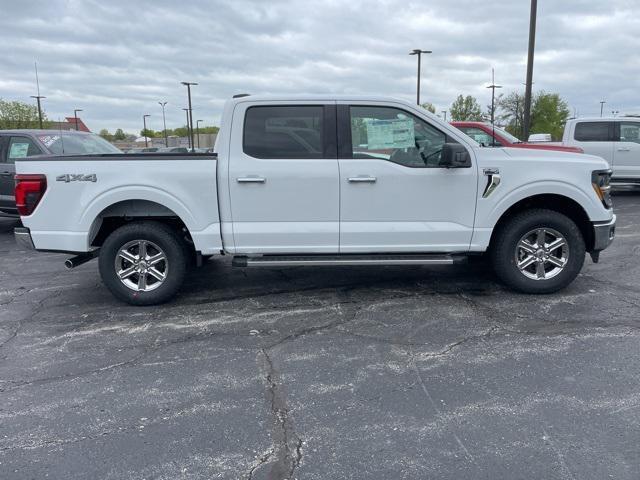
(16, 144)
(488, 136)
(383, 182)
(615, 139)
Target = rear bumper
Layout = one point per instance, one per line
(603, 234)
(23, 238)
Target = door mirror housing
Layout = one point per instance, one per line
(454, 155)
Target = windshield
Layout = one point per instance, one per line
(508, 136)
(74, 144)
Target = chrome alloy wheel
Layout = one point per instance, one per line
(141, 265)
(542, 254)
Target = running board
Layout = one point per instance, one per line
(320, 260)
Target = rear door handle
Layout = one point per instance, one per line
(251, 180)
(624, 149)
(362, 179)
(6, 174)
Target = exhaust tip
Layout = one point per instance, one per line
(69, 264)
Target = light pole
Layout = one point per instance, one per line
(493, 87)
(188, 85)
(38, 98)
(198, 131)
(188, 129)
(75, 116)
(419, 53)
(164, 124)
(529, 83)
(144, 130)
(602, 106)
(444, 112)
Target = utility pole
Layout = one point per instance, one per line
(144, 131)
(38, 97)
(444, 112)
(75, 116)
(532, 46)
(602, 106)
(493, 87)
(198, 131)
(419, 53)
(164, 124)
(188, 85)
(188, 129)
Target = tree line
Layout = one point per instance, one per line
(549, 112)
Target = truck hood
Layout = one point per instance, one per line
(546, 156)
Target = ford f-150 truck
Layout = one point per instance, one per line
(320, 180)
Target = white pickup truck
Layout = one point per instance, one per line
(616, 139)
(320, 180)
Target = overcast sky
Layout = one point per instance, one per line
(116, 59)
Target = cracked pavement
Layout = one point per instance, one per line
(322, 373)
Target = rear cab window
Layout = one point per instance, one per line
(21, 147)
(593, 132)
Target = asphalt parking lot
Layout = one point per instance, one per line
(333, 373)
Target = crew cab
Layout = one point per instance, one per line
(616, 139)
(320, 180)
(489, 135)
(16, 144)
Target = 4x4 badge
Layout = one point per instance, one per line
(80, 177)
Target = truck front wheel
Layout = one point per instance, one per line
(538, 251)
(143, 263)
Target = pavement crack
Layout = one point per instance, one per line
(287, 447)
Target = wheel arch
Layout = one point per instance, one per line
(550, 201)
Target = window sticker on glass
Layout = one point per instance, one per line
(396, 133)
(49, 140)
(19, 150)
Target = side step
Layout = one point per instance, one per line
(347, 259)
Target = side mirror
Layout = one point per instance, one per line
(454, 155)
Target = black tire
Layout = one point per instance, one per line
(158, 235)
(504, 255)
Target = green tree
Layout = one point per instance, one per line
(14, 114)
(465, 109)
(549, 113)
(147, 133)
(429, 107)
(119, 135)
(104, 133)
(511, 112)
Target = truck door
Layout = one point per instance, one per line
(283, 178)
(595, 138)
(393, 195)
(627, 150)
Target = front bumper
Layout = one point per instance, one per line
(23, 238)
(603, 234)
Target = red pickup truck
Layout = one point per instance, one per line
(483, 133)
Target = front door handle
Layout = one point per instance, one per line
(624, 149)
(362, 179)
(251, 180)
(6, 174)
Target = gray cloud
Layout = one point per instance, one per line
(117, 59)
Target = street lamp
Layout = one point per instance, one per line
(529, 82)
(188, 85)
(164, 123)
(75, 116)
(493, 87)
(419, 53)
(198, 131)
(38, 98)
(144, 131)
(189, 139)
(602, 106)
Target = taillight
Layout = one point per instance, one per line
(29, 191)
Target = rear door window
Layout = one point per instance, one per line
(593, 132)
(21, 147)
(284, 131)
(630, 132)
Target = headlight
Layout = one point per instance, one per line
(600, 181)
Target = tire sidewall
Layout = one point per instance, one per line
(160, 234)
(504, 258)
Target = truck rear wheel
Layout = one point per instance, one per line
(538, 251)
(143, 263)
